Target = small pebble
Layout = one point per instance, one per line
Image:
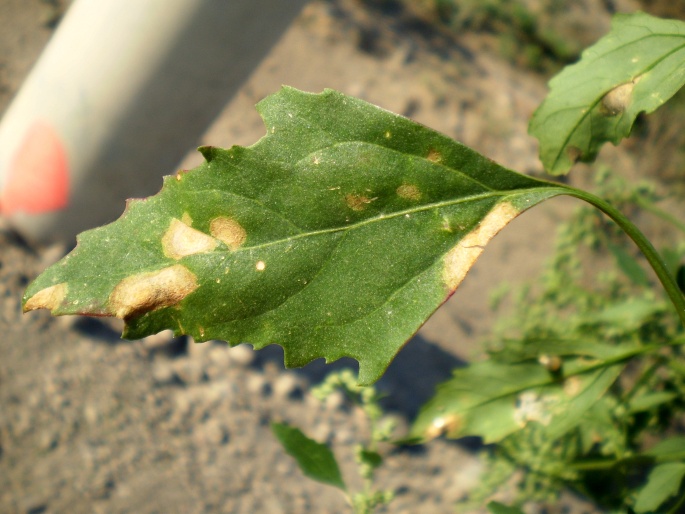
(257, 384)
(189, 371)
(163, 372)
(211, 433)
(288, 386)
(242, 355)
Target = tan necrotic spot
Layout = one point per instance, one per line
(459, 259)
(180, 240)
(144, 292)
(48, 298)
(408, 192)
(229, 231)
(434, 155)
(443, 425)
(617, 100)
(357, 202)
(574, 153)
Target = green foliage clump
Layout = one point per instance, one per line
(607, 455)
(529, 37)
(318, 462)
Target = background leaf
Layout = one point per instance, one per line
(635, 68)
(315, 459)
(493, 400)
(664, 482)
(500, 508)
(337, 234)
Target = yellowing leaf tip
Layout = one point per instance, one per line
(48, 298)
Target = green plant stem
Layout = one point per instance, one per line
(642, 243)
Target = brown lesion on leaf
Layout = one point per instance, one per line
(145, 292)
(434, 155)
(409, 192)
(618, 99)
(228, 231)
(357, 202)
(461, 258)
(181, 240)
(444, 425)
(48, 298)
(574, 153)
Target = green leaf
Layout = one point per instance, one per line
(337, 234)
(668, 449)
(370, 458)
(664, 482)
(315, 459)
(626, 315)
(635, 68)
(500, 508)
(629, 265)
(580, 394)
(650, 400)
(493, 400)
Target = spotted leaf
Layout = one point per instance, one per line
(635, 68)
(337, 234)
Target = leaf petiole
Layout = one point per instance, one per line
(645, 246)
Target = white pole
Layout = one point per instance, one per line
(123, 90)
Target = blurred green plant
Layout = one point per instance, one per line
(528, 36)
(580, 310)
(318, 462)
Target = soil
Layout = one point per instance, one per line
(91, 423)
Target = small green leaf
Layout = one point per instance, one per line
(626, 316)
(370, 458)
(664, 482)
(629, 265)
(500, 508)
(650, 400)
(635, 68)
(338, 234)
(673, 447)
(315, 459)
(582, 392)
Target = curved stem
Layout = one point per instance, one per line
(642, 243)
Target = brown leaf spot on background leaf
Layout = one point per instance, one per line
(48, 298)
(357, 202)
(409, 192)
(574, 153)
(459, 259)
(229, 231)
(617, 100)
(444, 425)
(434, 155)
(180, 240)
(145, 292)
